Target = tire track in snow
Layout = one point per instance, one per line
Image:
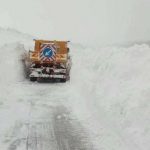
(58, 132)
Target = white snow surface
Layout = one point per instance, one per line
(108, 93)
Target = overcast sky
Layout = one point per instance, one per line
(86, 21)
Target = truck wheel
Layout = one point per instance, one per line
(63, 80)
(33, 79)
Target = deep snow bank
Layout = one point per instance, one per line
(11, 75)
(13, 45)
(8, 36)
(115, 85)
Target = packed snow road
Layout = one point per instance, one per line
(54, 129)
(40, 120)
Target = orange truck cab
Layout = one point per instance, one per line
(50, 60)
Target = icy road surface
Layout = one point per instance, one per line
(105, 106)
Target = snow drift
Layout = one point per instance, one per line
(115, 84)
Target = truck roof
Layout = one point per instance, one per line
(61, 45)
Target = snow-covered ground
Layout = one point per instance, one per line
(114, 83)
(105, 106)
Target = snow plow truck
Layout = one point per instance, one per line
(50, 60)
